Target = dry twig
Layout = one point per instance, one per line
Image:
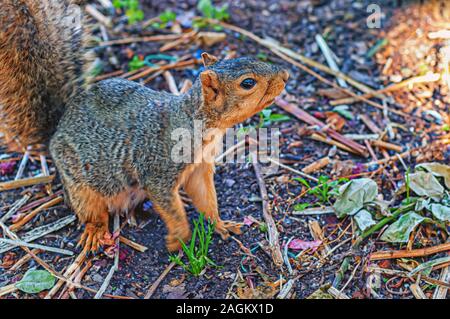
(410, 253)
(274, 244)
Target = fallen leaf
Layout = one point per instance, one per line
(177, 281)
(354, 195)
(441, 212)
(35, 281)
(320, 293)
(426, 184)
(208, 39)
(178, 292)
(364, 219)
(248, 221)
(400, 230)
(259, 293)
(298, 244)
(439, 170)
(428, 265)
(422, 204)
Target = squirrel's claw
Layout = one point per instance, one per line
(225, 227)
(95, 236)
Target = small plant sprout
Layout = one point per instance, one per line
(164, 19)
(197, 251)
(407, 186)
(209, 11)
(263, 228)
(132, 10)
(301, 207)
(136, 63)
(266, 117)
(323, 191)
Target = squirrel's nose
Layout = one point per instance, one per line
(285, 75)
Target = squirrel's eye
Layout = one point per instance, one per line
(248, 84)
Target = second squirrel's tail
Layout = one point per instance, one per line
(42, 63)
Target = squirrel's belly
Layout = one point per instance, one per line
(127, 200)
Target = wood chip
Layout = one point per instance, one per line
(5, 186)
(317, 165)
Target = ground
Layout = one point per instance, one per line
(240, 273)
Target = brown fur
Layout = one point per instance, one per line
(43, 58)
(200, 188)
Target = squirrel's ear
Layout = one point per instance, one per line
(209, 59)
(210, 85)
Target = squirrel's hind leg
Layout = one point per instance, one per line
(200, 188)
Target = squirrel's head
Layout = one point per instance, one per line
(234, 90)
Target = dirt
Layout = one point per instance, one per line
(294, 24)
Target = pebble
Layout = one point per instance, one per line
(97, 278)
(230, 182)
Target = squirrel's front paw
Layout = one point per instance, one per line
(223, 228)
(173, 243)
(95, 235)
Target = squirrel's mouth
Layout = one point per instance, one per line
(270, 101)
(274, 89)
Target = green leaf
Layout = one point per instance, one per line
(199, 23)
(425, 184)
(217, 28)
(209, 11)
(167, 16)
(354, 195)
(344, 112)
(323, 179)
(35, 281)
(302, 180)
(400, 230)
(300, 207)
(118, 4)
(364, 219)
(441, 212)
(262, 56)
(263, 228)
(135, 63)
(279, 118)
(221, 13)
(206, 7)
(266, 113)
(429, 264)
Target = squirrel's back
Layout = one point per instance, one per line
(42, 62)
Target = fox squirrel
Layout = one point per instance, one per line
(111, 142)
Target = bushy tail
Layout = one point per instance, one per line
(42, 62)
